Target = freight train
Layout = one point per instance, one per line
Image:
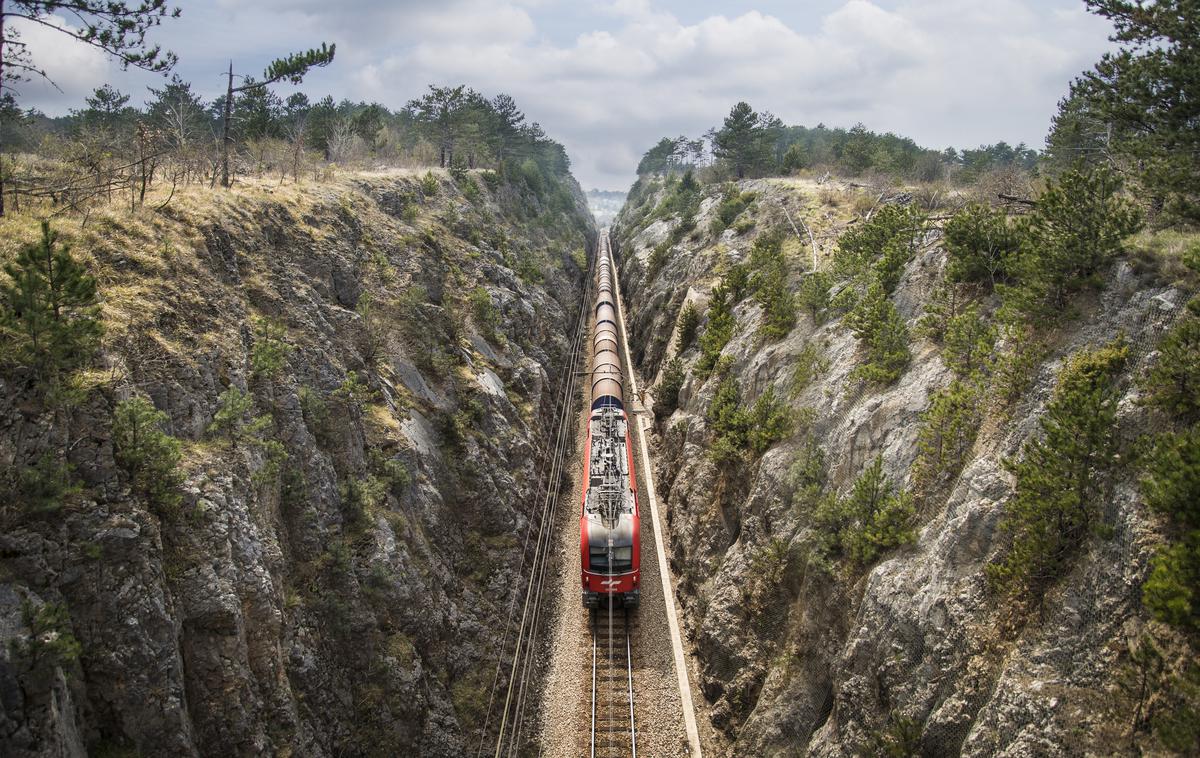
(609, 524)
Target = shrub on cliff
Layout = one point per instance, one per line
(689, 324)
(666, 399)
(880, 247)
(813, 295)
(1173, 384)
(1061, 474)
(981, 246)
(147, 454)
(49, 317)
(872, 518)
(1074, 232)
(740, 434)
(718, 331)
(882, 332)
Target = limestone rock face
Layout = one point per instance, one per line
(916, 649)
(352, 599)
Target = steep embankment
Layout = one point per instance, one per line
(379, 354)
(811, 637)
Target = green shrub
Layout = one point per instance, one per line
(429, 184)
(658, 258)
(360, 497)
(689, 324)
(47, 642)
(666, 399)
(147, 454)
(882, 332)
(1173, 383)
(229, 421)
(1171, 485)
(873, 518)
(42, 486)
(271, 350)
(881, 246)
(813, 295)
(731, 206)
(1074, 232)
(1061, 474)
(1015, 370)
(717, 332)
(981, 246)
(49, 316)
(948, 429)
(768, 283)
(768, 421)
(741, 435)
(945, 302)
(969, 344)
(810, 364)
(487, 318)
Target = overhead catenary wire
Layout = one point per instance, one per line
(525, 645)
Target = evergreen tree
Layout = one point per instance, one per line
(292, 69)
(147, 454)
(882, 245)
(718, 331)
(1171, 486)
(443, 112)
(872, 518)
(689, 324)
(1173, 382)
(1061, 474)
(969, 343)
(980, 246)
(813, 295)
(666, 399)
(741, 141)
(1075, 231)
(48, 308)
(1149, 91)
(948, 429)
(882, 332)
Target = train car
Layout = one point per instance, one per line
(608, 525)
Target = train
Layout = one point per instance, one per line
(609, 525)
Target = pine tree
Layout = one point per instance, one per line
(148, 455)
(872, 518)
(114, 27)
(1075, 231)
(969, 343)
(948, 429)
(48, 308)
(689, 324)
(813, 295)
(741, 140)
(1060, 474)
(666, 399)
(1173, 383)
(883, 333)
(1171, 486)
(1148, 93)
(980, 246)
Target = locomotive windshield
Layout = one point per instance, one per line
(622, 560)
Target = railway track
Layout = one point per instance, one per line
(614, 731)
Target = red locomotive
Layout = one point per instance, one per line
(609, 525)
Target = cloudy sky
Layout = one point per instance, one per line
(608, 78)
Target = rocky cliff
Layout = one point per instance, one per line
(908, 649)
(358, 374)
